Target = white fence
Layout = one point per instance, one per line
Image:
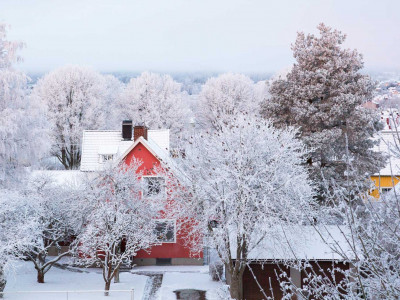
(69, 295)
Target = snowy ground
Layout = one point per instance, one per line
(183, 277)
(174, 278)
(173, 281)
(24, 279)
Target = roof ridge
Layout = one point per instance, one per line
(102, 130)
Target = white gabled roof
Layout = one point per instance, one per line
(390, 145)
(100, 142)
(303, 242)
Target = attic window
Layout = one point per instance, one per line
(153, 186)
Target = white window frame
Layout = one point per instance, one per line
(102, 156)
(384, 187)
(144, 187)
(168, 220)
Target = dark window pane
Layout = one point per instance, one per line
(165, 231)
(154, 186)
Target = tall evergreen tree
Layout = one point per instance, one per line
(323, 94)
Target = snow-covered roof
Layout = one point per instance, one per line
(303, 242)
(389, 142)
(101, 142)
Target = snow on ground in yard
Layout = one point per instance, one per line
(162, 269)
(24, 279)
(173, 281)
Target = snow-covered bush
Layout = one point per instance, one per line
(216, 270)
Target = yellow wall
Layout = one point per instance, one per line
(383, 181)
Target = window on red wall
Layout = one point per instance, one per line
(154, 186)
(165, 231)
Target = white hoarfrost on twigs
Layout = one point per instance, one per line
(370, 229)
(225, 96)
(18, 226)
(60, 216)
(246, 180)
(156, 101)
(121, 221)
(76, 99)
(23, 135)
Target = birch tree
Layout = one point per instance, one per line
(24, 138)
(323, 95)
(245, 180)
(75, 99)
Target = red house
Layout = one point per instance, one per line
(152, 148)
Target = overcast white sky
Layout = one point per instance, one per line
(193, 35)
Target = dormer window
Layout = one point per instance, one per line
(106, 157)
(107, 153)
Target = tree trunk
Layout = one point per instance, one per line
(116, 276)
(235, 286)
(40, 276)
(2, 282)
(107, 288)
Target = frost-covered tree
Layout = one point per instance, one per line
(156, 101)
(245, 180)
(23, 137)
(75, 98)
(59, 216)
(225, 96)
(17, 227)
(120, 223)
(323, 95)
(114, 91)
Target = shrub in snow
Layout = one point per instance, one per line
(216, 270)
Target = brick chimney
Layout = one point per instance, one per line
(139, 131)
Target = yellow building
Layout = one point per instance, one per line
(389, 176)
